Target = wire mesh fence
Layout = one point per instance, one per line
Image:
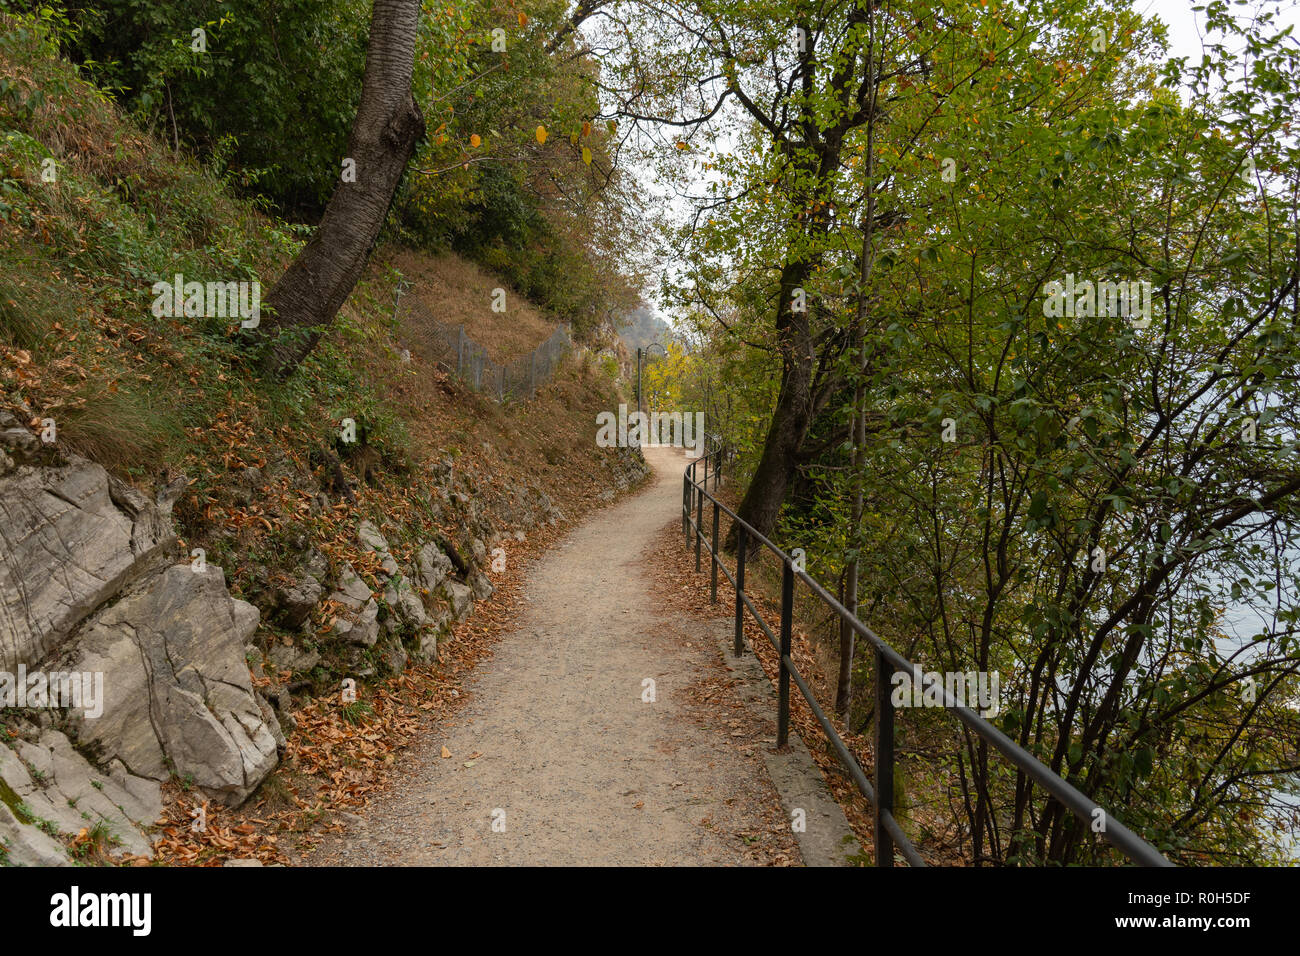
(448, 347)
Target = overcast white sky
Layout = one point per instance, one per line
(1185, 25)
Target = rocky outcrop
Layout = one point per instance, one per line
(294, 602)
(87, 586)
(177, 693)
(358, 620)
(55, 792)
(72, 538)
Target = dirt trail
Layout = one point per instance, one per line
(556, 744)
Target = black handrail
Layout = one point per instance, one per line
(888, 834)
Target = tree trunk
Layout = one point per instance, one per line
(790, 418)
(389, 123)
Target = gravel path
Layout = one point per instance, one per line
(556, 759)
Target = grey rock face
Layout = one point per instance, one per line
(64, 790)
(406, 604)
(372, 540)
(71, 539)
(359, 622)
(177, 694)
(24, 844)
(480, 586)
(434, 566)
(460, 599)
(294, 602)
(290, 657)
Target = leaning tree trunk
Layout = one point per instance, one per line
(388, 125)
(790, 418)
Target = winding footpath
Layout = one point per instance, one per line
(559, 757)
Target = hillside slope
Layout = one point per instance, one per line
(322, 561)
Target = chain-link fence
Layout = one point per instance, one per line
(449, 347)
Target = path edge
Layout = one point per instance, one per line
(827, 839)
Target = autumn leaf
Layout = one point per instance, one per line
(586, 155)
(586, 129)
(522, 18)
(541, 135)
(446, 754)
(474, 140)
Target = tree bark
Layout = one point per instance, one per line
(388, 124)
(791, 416)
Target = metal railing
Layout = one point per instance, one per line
(887, 833)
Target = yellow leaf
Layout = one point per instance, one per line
(523, 18)
(541, 135)
(586, 155)
(474, 140)
(445, 753)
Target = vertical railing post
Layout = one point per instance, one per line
(699, 527)
(686, 507)
(713, 569)
(783, 685)
(884, 720)
(742, 545)
(717, 474)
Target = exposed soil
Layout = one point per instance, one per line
(558, 757)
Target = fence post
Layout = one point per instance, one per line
(532, 373)
(699, 527)
(460, 351)
(884, 843)
(713, 580)
(742, 545)
(783, 685)
(686, 507)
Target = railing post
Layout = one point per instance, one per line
(884, 720)
(686, 507)
(783, 685)
(699, 527)
(742, 545)
(717, 474)
(713, 570)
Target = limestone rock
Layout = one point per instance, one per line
(177, 693)
(406, 604)
(480, 586)
(291, 657)
(70, 539)
(24, 844)
(359, 623)
(434, 566)
(372, 540)
(460, 599)
(66, 793)
(293, 603)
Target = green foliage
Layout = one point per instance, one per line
(271, 96)
(1072, 433)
